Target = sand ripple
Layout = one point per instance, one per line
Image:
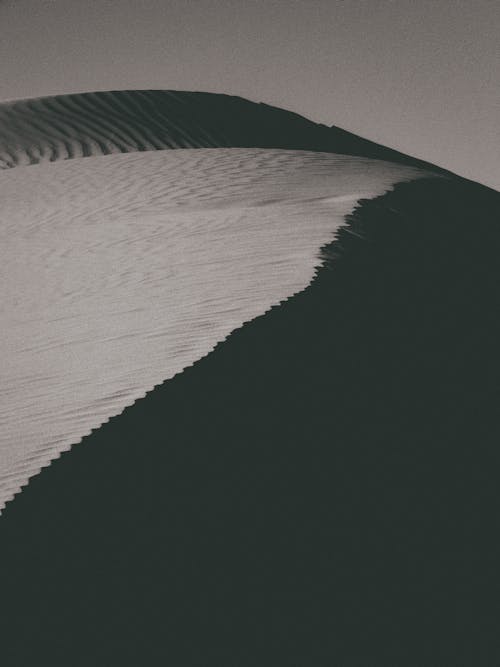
(62, 127)
(120, 271)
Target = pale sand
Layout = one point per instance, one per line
(120, 271)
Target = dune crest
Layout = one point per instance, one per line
(62, 127)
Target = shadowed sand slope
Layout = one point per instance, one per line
(320, 490)
(68, 126)
(119, 271)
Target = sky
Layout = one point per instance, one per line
(422, 76)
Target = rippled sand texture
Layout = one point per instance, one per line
(120, 271)
(49, 129)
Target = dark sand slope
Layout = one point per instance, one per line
(320, 490)
(71, 126)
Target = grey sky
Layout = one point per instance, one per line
(419, 75)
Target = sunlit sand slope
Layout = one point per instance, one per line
(119, 271)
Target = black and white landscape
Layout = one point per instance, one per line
(122, 269)
(250, 391)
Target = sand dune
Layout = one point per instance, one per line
(71, 126)
(316, 487)
(280, 354)
(322, 489)
(120, 271)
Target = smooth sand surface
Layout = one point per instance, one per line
(120, 271)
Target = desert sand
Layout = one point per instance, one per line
(119, 271)
(320, 489)
(261, 376)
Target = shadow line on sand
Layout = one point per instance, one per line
(321, 489)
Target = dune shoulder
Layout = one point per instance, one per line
(317, 490)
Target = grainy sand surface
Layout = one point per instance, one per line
(119, 271)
